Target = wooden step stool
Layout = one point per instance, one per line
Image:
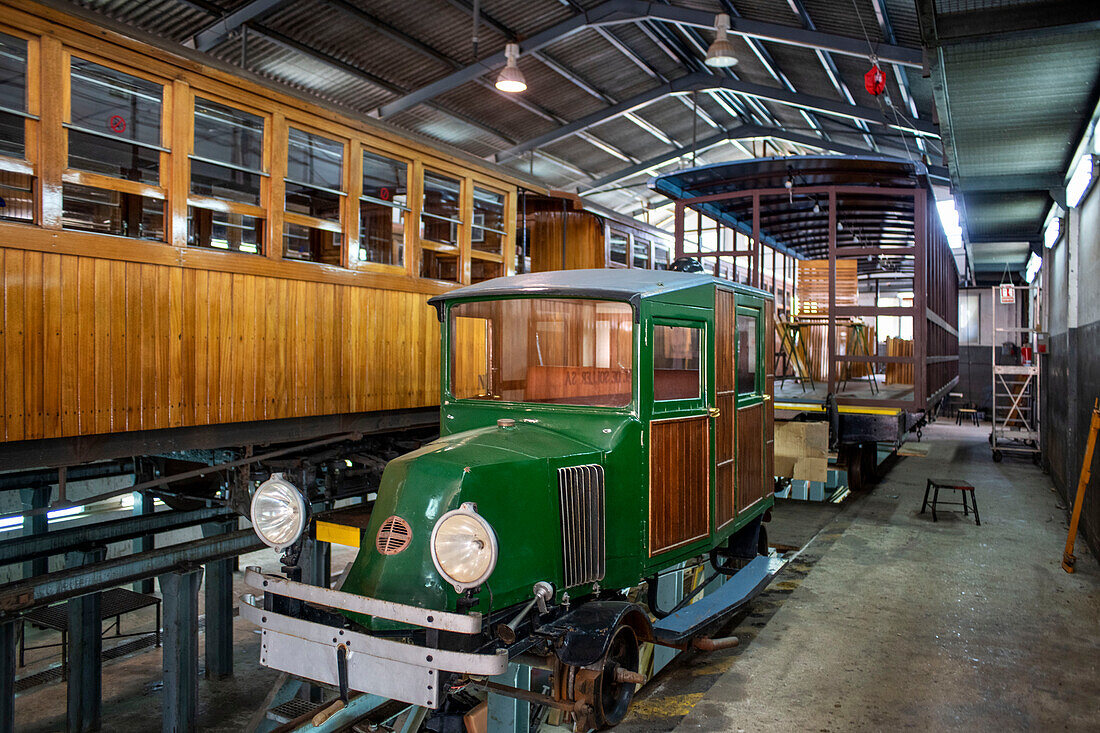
(935, 484)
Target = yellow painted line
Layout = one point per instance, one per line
(846, 409)
(338, 534)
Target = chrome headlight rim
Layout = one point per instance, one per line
(298, 503)
(468, 509)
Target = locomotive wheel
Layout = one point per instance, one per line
(607, 699)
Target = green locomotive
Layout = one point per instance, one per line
(598, 427)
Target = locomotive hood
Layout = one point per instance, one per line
(509, 473)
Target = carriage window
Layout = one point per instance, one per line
(641, 253)
(13, 95)
(112, 212)
(442, 209)
(227, 165)
(16, 188)
(660, 256)
(228, 158)
(114, 130)
(676, 363)
(552, 351)
(314, 191)
(746, 353)
(440, 222)
(618, 245)
(115, 123)
(383, 210)
(488, 229)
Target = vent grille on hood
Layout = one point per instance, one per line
(582, 523)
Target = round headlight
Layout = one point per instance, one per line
(278, 512)
(464, 547)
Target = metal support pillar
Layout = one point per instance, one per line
(8, 635)
(85, 651)
(36, 524)
(315, 571)
(316, 563)
(181, 649)
(219, 608)
(508, 713)
(143, 504)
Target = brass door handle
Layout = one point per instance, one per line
(714, 412)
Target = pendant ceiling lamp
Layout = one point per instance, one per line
(720, 53)
(510, 79)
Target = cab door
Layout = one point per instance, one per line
(679, 430)
(749, 382)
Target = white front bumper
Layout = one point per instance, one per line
(384, 667)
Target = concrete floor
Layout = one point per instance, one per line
(885, 621)
(895, 622)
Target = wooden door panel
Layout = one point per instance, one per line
(679, 482)
(750, 455)
(726, 401)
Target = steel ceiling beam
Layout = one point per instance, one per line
(740, 133)
(827, 63)
(617, 12)
(887, 28)
(224, 27)
(1029, 21)
(705, 82)
(353, 70)
(654, 162)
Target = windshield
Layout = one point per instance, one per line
(557, 351)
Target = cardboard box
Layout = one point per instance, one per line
(802, 450)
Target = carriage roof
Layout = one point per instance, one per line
(631, 285)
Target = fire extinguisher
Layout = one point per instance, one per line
(874, 80)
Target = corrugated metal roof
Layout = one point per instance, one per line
(420, 43)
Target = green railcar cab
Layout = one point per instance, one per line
(597, 427)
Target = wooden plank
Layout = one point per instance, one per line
(32, 346)
(102, 335)
(72, 360)
(14, 295)
(175, 347)
(52, 348)
(87, 349)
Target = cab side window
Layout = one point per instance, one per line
(676, 363)
(746, 353)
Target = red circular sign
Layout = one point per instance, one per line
(117, 123)
(384, 194)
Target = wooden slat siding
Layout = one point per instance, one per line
(769, 406)
(101, 310)
(86, 424)
(724, 343)
(72, 360)
(750, 455)
(93, 346)
(14, 295)
(32, 354)
(52, 356)
(679, 478)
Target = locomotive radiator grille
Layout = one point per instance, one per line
(582, 523)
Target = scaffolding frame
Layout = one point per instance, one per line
(1015, 395)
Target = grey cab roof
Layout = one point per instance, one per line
(611, 284)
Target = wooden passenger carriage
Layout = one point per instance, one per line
(161, 287)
